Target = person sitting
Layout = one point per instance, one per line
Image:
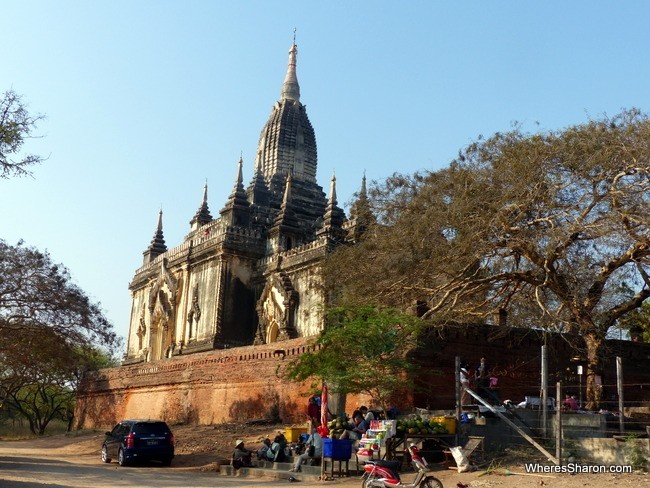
(261, 452)
(570, 403)
(368, 415)
(359, 427)
(314, 447)
(276, 452)
(240, 456)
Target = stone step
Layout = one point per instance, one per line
(307, 473)
(305, 468)
(278, 471)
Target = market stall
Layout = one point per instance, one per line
(397, 447)
(374, 443)
(432, 434)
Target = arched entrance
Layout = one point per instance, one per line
(272, 332)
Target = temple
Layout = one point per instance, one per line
(250, 275)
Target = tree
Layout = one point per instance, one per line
(50, 333)
(551, 227)
(41, 374)
(362, 350)
(16, 125)
(37, 294)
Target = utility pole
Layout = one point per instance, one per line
(544, 393)
(619, 387)
(558, 424)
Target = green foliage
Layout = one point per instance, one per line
(635, 452)
(40, 403)
(40, 375)
(361, 350)
(16, 125)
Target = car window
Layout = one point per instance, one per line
(156, 428)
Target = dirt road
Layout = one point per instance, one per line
(63, 461)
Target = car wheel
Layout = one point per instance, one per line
(121, 460)
(105, 458)
(167, 461)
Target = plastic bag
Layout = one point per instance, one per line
(461, 460)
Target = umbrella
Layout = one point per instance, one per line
(323, 430)
(323, 406)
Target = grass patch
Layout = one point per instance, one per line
(17, 430)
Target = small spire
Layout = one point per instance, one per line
(287, 192)
(286, 216)
(361, 212)
(240, 179)
(238, 195)
(202, 215)
(236, 211)
(290, 86)
(159, 229)
(333, 218)
(332, 198)
(258, 192)
(157, 246)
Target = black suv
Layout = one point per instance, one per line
(133, 440)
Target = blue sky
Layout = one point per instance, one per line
(146, 99)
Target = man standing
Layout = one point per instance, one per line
(464, 383)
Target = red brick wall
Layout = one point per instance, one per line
(204, 388)
(245, 382)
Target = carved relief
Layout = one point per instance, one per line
(223, 264)
(142, 330)
(162, 310)
(275, 310)
(194, 314)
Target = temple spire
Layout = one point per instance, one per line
(285, 233)
(202, 215)
(258, 192)
(334, 217)
(237, 209)
(290, 87)
(157, 246)
(361, 213)
(287, 192)
(332, 198)
(286, 216)
(238, 195)
(239, 184)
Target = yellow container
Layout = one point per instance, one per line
(448, 422)
(293, 433)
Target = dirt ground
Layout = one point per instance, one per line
(200, 447)
(203, 447)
